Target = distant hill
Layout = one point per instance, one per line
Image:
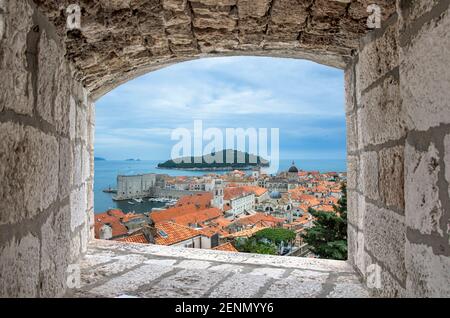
(189, 163)
(133, 159)
(99, 159)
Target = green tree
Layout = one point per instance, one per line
(252, 245)
(276, 235)
(327, 238)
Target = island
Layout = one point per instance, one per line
(99, 159)
(131, 159)
(206, 162)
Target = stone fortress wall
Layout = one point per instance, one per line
(398, 121)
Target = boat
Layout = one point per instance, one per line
(138, 200)
(132, 203)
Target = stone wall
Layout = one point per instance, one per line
(398, 120)
(46, 156)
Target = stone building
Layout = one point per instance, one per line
(398, 134)
(136, 186)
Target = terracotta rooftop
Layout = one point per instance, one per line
(228, 247)
(200, 200)
(230, 193)
(197, 217)
(169, 233)
(136, 238)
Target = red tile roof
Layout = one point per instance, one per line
(230, 193)
(197, 217)
(175, 233)
(228, 247)
(113, 219)
(136, 238)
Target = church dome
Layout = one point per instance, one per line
(275, 195)
(293, 168)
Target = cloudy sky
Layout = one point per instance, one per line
(304, 100)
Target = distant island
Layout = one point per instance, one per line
(203, 162)
(99, 159)
(133, 159)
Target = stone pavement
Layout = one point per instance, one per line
(114, 269)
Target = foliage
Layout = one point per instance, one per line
(207, 162)
(275, 235)
(327, 238)
(252, 245)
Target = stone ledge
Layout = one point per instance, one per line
(112, 269)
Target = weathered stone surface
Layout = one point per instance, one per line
(447, 160)
(391, 182)
(424, 84)
(240, 285)
(380, 282)
(54, 260)
(352, 172)
(384, 234)
(356, 208)
(349, 82)
(382, 116)
(162, 271)
(16, 89)
(372, 64)
(17, 277)
(428, 274)
(145, 33)
(368, 174)
(29, 172)
(413, 10)
(130, 281)
(65, 167)
(78, 207)
(423, 205)
(352, 132)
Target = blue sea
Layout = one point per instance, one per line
(106, 174)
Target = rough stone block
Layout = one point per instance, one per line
(349, 89)
(368, 174)
(380, 282)
(413, 10)
(82, 123)
(29, 172)
(378, 57)
(352, 172)
(382, 115)
(77, 165)
(356, 249)
(72, 117)
(78, 207)
(391, 161)
(65, 167)
(384, 233)
(352, 132)
(447, 160)
(423, 207)
(16, 89)
(55, 233)
(428, 274)
(424, 84)
(19, 260)
(356, 208)
(49, 62)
